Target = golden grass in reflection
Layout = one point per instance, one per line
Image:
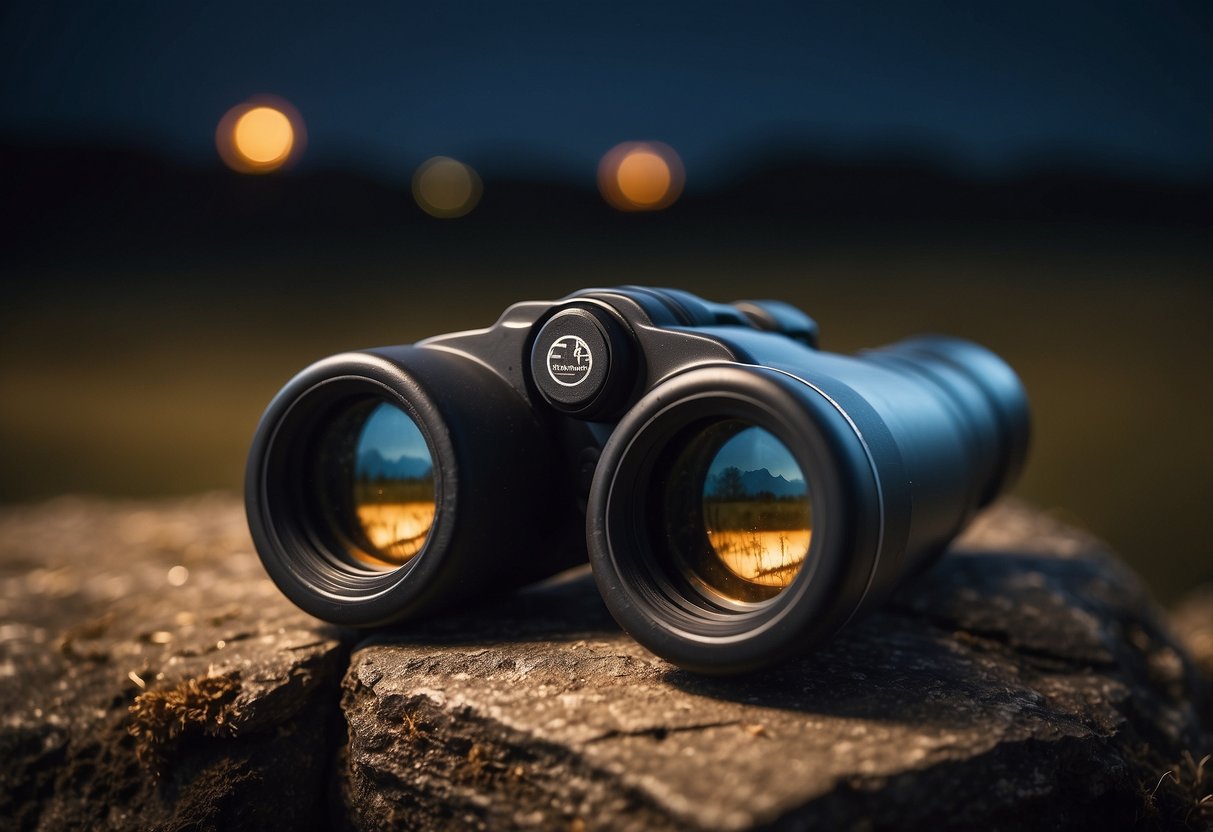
(763, 541)
(766, 558)
(396, 530)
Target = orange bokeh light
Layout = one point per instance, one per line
(260, 135)
(641, 176)
(263, 136)
(446, 188)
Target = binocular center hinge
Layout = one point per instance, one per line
(583, 362)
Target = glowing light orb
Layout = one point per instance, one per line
(641, 176)
(260, 136)
(446, 188)
(264, 136)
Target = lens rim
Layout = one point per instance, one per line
(721, 638)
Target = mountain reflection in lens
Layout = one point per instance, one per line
(377, 484)
(745, 533)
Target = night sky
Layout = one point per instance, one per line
(550, 86)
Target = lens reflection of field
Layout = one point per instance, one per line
(764, 542)
(767, 558)
(396, 530)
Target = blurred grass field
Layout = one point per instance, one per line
(128, 376)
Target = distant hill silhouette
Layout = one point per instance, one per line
(762, 480)
(106, 198)
(756, 482)
(372, 465)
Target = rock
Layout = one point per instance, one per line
(1025, 682)
(152, 677)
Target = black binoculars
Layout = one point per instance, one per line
(742, 494)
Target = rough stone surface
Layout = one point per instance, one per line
(1025, 682)
(152, 677)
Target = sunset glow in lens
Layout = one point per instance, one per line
(375, 485)
(738, 512)
(757, 513)
(393, 487)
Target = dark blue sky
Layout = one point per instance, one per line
(387, 84)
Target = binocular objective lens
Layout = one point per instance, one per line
(377, 484)
(738, 512)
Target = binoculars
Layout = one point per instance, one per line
(741, 494)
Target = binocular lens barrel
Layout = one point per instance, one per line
(390, 483)
(742, 513)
